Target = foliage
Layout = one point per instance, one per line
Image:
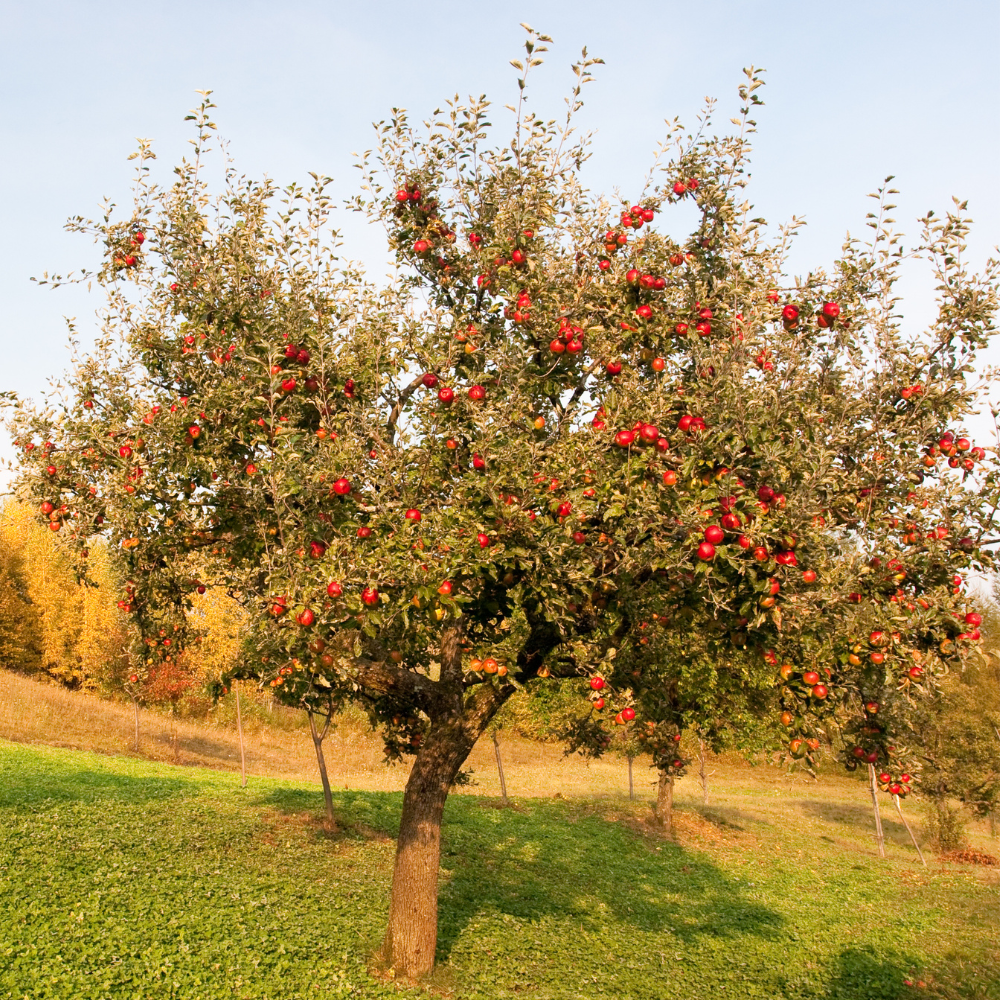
(957, 735)
(183, 877)
(58, 627)
(557, 423)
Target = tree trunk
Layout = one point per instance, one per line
(318, 738)
(879, 838)
(239, 729)
(135, 705)
(503, 783)
(411, 937)
(631, 786)
(665, 803)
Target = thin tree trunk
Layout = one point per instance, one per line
(318, 738)
(631, 787)
(503, 783)
(173, 729)
(895, 799)
(239, 729)
(879, 837)
(665, 803)
(135, 705)
(701, 771)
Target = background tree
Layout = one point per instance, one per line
(557, 413)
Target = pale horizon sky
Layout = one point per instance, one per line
(854, 92)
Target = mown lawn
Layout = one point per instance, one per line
(121, 878)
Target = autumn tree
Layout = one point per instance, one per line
(555, 415)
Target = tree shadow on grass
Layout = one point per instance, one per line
(861, 817)
(542, 862)
(38, 788)
(362, 815)
(863, 975)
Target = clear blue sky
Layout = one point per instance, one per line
(856, 91)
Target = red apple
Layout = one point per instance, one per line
(342, 487)
(706, 551)
(334, 589)
(370, 596)
(306, 618)
(412, 515)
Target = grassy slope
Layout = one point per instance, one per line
(121, 878)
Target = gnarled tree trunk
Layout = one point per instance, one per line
(411, 938)
(665, 803)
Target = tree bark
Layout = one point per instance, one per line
(503, 783)
(411, 937)
(318, 738)
(665, 803)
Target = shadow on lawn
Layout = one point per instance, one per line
(861, 816)
(540, 862)
(37, 790)
(863, 975)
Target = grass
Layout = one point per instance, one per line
(128, 878)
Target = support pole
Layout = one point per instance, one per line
(503, 783)
(879, 837)
(895, 799)
(239, 729)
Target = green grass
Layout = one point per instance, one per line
(121, 878)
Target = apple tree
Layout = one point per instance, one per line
(556, 419)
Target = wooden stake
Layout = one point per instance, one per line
(631, 788)
(879, 837)
(503, 784)
(135, 705)
(895, 799)
(239, 729)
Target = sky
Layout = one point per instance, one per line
(855, 92)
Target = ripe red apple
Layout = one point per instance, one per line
(810, 677)
(974, 619)
(820, 691)
(477, 392)
(446, 394)
(598, 703)
(579, 537)
(809, 576)
(564, 509)
(714, 534)
(251, 469)
(133, 678)
(412, 515)
(871, 756)
(628, 713)
(790, 313)
(760, 554)
(624, 438)
(706, 551)
(430, 380)
(364, 531)
(342, 487)
(679, 188)
(484, 540)
(334, 589)
(596, 683)
(306, 618)
(478, 462)
(317, 549)
(649, 433)
(831, 310)
(445, 588)
(370, 596)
